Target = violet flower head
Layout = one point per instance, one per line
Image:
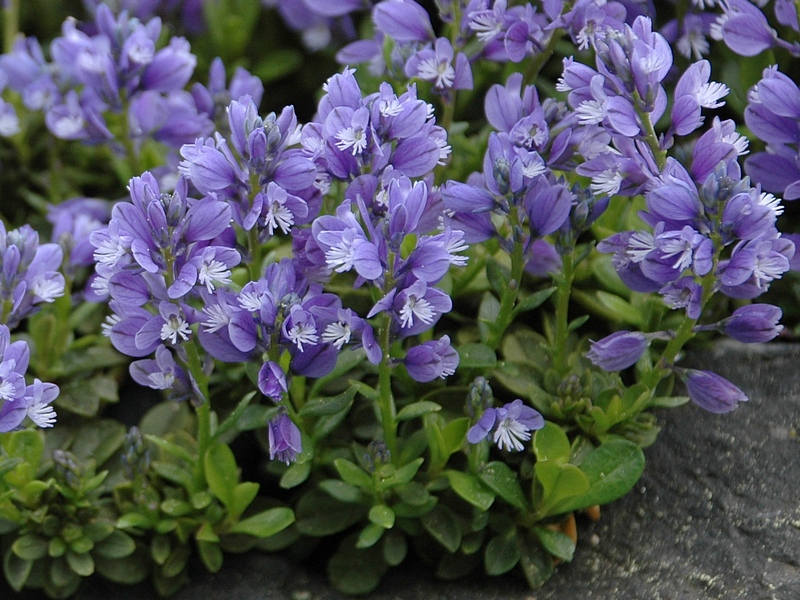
(711, 391)
(753, 324)
(432, 360)
(509, 426)
(18, 400)
(285, 441)
(619, 350)
(30, 273)
(272, 381)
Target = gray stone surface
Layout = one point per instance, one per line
(716, 515)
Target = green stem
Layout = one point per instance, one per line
(682, 336)
(202, 408)
(563, 292)
(10, 24)
(252, 236)
(386, 399)
(508, 299)
(651, 138)
(387, 404)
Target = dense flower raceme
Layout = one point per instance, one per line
(111, 71)
(517, 197)
(18, 400)
(271, 184)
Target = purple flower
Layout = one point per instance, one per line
(73, 221)
(744, 28)
(753, 324)
(619, 350)
(693, 92)
(512, 424)
(432, 360)
(29, 272)
(712, 392)
(16, 399)
(272, 381)
(285, 441)
(436, 65)
(403, 21)
(162, 374)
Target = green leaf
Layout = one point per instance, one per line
(132, 570)
(551, 443)
(16, 570)
(611, 469)
(166, 418)
(171, 448)
(129, 520)
(623, 311)
(118, 545)
(476, 356)
(98, 440)
(353, 474)
(668, 401)
(9, 464)
(444, 527)
(233, 419)
(256, 416)
(417, 409)
(402, 475)
(470, 489)
(498, 275)
(369, 536)
(296, 474)
(535, 300)
(355, 571)
(281, 62)
(502, 553)
(502, 480)
(559, 482)
(27, 445)
(319, 515)
(266, 523)
(345, 362)
(382, 515)
(577, 322)
(243, 495)
(556, 543)
(319, 407)
(536, 562)
(30, 547)
(82, 564)
(175, 474)
(395, 547)
(455, 434)
(211, 555)
(222, 473)
(488, 311)
(340, 490)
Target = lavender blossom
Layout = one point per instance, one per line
(619, 350)
(511, 426)
(285, 442)
(432, 360)
(18, 400)
(712, 392)
(272, 381)
(30, 273)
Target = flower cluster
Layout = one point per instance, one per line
(18, 400)
(30, 273)
(773, 115)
